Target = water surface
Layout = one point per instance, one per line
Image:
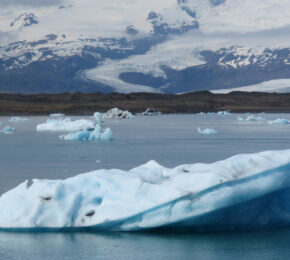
(171, 140)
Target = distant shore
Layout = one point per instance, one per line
(195, 102)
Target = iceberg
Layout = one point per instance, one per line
(17, 119)
(224, 113)
(251, 118)
(151, 112)
(244, 191)
(98, 117)
(65, 125)
(56, 115)
(91, 134)
(116, 113)
(7, 130)
(279, 121)
(207, 131)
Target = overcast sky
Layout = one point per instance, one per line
(29, 2)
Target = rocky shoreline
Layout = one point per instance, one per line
(195, 102)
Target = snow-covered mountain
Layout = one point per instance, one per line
(168, 46)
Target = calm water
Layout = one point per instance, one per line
(171, 140)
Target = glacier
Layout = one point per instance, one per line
(91, 134)
(244, 191)
(65, 125)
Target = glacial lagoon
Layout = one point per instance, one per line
(171, 140)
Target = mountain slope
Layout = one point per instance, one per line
(167, 46)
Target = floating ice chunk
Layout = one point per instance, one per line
(65, 125)
(207, 131)
(279, 121)
(227, 194)
(91, 134)
(17, 119)
(56, 115)
(116, 113)
(8, 130)
(98, 117)
(251, 118)
(224, 113)
(107, 135)
(151, 112)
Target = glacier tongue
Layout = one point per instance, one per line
(198, 196)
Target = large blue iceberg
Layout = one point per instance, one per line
(244, 191)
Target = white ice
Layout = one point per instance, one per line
(18, 119)
(207, 131)
(151, 112)
(93, 134)
(65, 125)
(99, 117)
(224, 113)
(279, 121)
(7, 130)
(56, 115)
(116, 113)
(152, 196)
(251, 118)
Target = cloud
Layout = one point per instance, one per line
(29, 2)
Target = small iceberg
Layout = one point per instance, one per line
(65, 125)
(91, 134)
(224, 113)
(151, 112)
(8, 130)
(279, 121)
(99, 117)
(207, 131)
(56, 115)
(246, 191)
(116, 113)
(18, 119)
(251, 118)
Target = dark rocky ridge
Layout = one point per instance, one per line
(86, 104)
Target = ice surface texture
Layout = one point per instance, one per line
(244, 191)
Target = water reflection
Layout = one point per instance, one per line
(271, 244)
